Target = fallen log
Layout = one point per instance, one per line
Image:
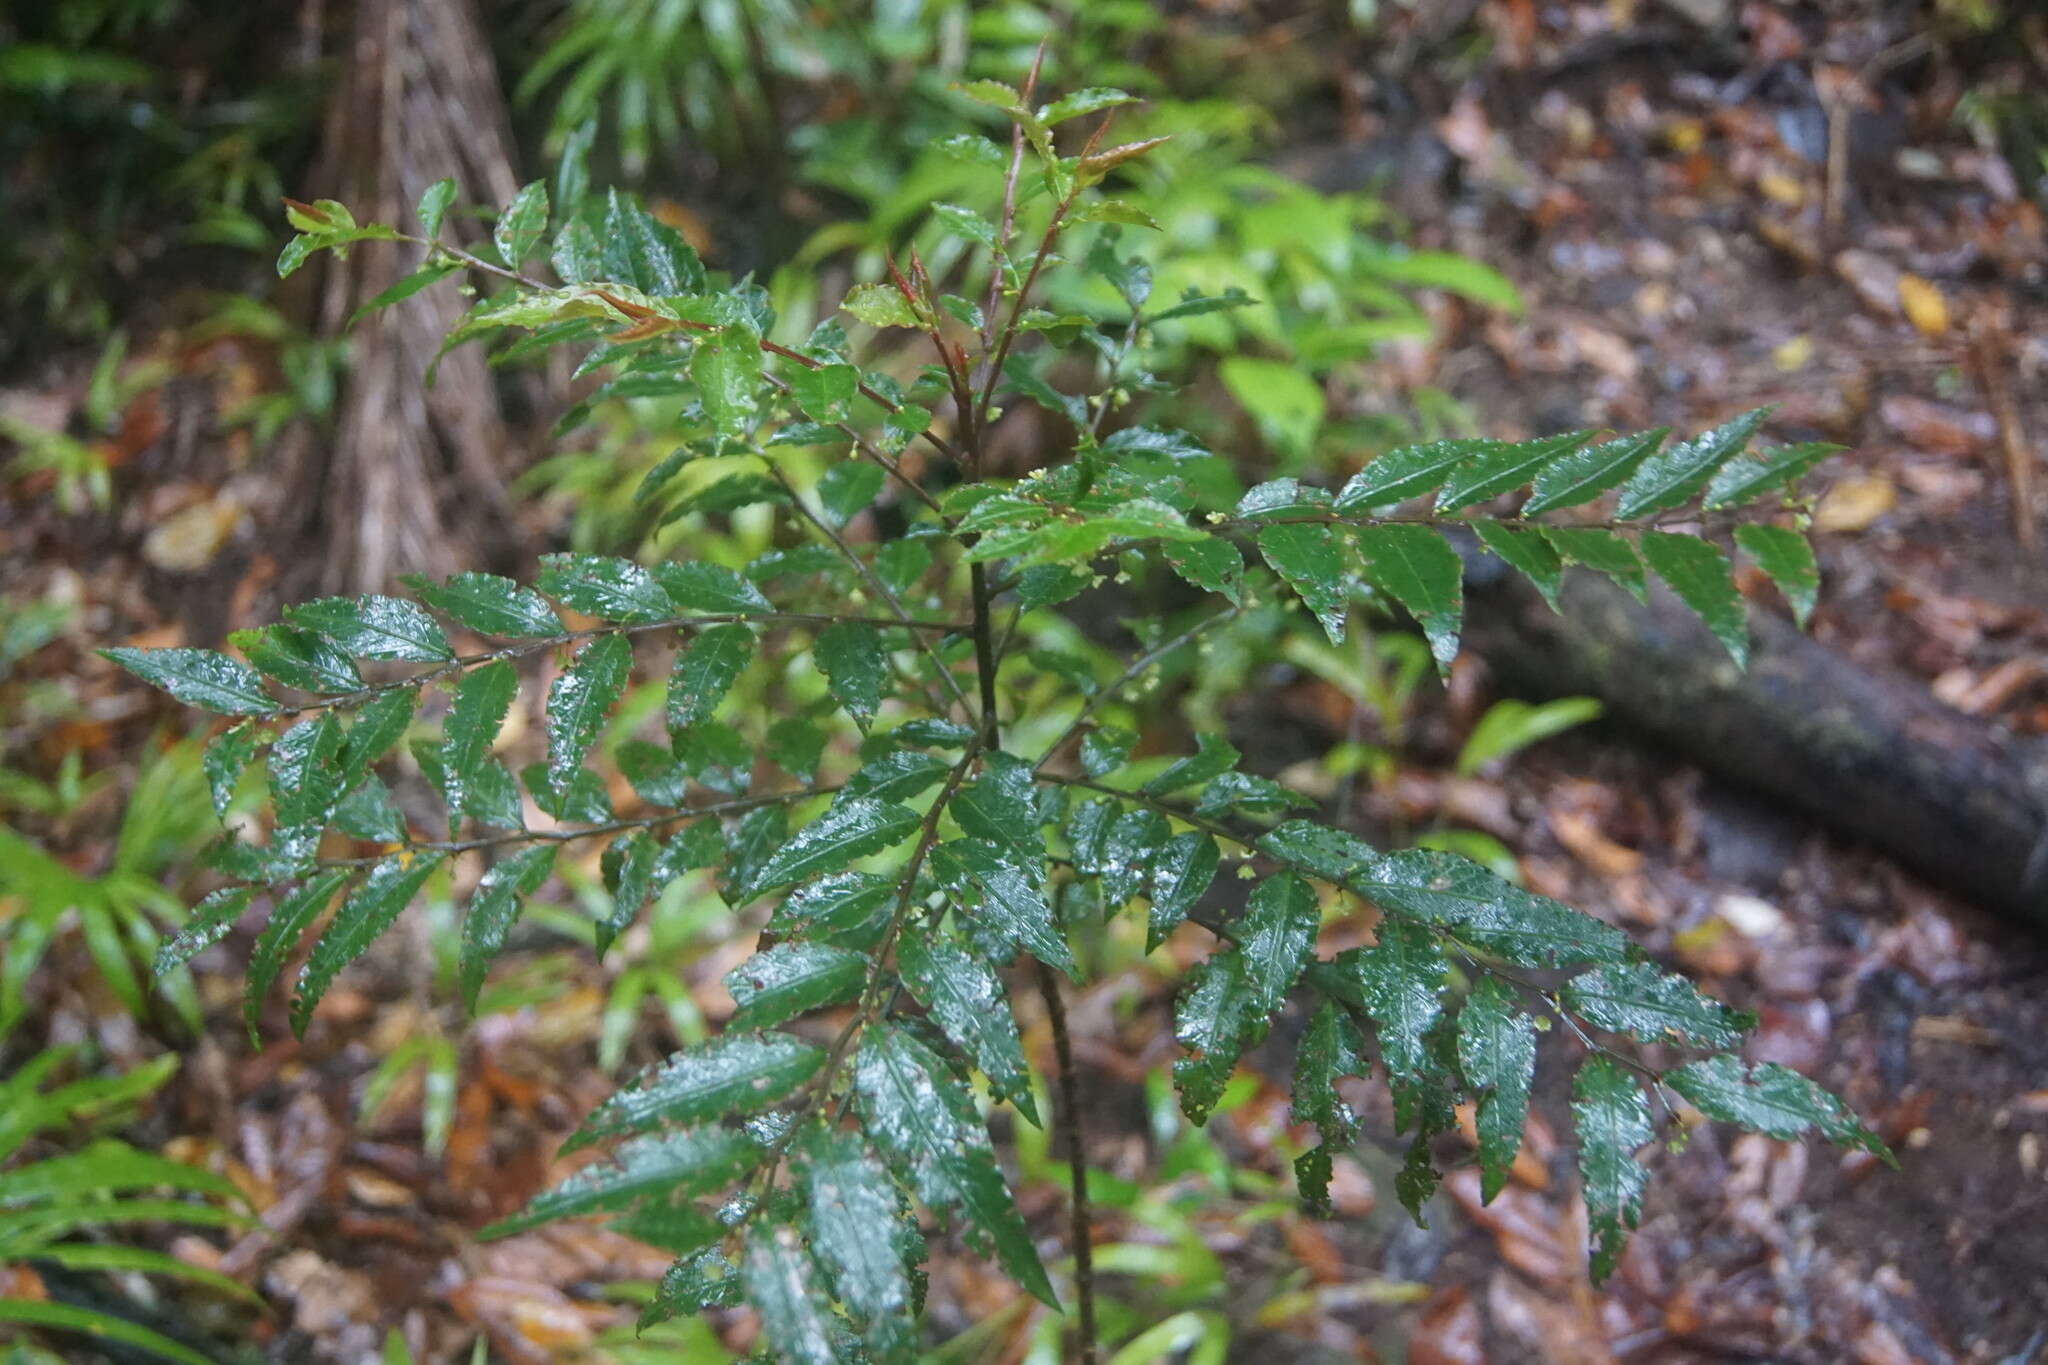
(1957, 799)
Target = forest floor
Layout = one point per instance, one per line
(1686, 249)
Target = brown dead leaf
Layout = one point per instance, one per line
(1450, 1332)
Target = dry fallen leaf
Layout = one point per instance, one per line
(1854, 504)
(1924, 305)
(187, 541)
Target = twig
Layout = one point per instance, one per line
(1077, 1162)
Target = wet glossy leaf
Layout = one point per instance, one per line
(1603, 552)
(1526, 551)
(1613, 1122)
(1497, 1053)
(705, 670)
(490, 605)
(1675, 474)
(492, 911)
(848, 829)
(1424, 574)
(1751, 476)
(1181, 874)
(375, 627)
(791, 979)
(1003, 898)
(1215, 1022)
(1787, 559)
(855, 665)
(851, 1199)
(609, 589)
(199, 677)
(481, 703)
(1771, 1099)
(368, 912)
(711, 589)
(1306, 557)
(580, 699)
(1585, 474)
(731, 1075)
(1503, 469)
(1699, 574)
(298, 658)
(1653, 1006)
(207, 924)
(783, 1288)
(1407, 472)
(964, 998)
(665, 1167)
(519, 227)
(925, 1120)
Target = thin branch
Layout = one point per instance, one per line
(463, 662)
(1136, 668)
(868, 576)
(1080, 1217)
(563, 836)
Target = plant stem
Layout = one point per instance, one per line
(1077, 1164)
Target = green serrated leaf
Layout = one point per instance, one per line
(207, 925)
(1408, 471)
(897, 775)
(850, 1199)
(1277, 935)
(1787, 560)
(847, 488)
(1503, 469)
(925, 1121)
(713, 589)
(490, 605)
(1698, 573)
(880, 305)
(627, 866)
(609, 589)
(1653, 1006)
(646, 253)
(1213, 565)
(1331, 1047)
(1424, 574)
(967, 1002)
(482, 701)
(1672, 476)
(848, 829)
(783, 1289)
(791, 979)
(1527, 551)
(368, 912)
(1306, 557)
(665, 1167)
(1002, 897)
(492, 911)
(1214, 756)
(732, 1075)
(1771, 1099)
(228, 755)
(1613, 1121)
(1214, 1021)
(1001, 807)
(1401, 983)
(1748, 477)
(855, 665)
(298, 658)
(1603, 552)
(727, 372)
(290, 918)
(519, 228)
(199, 677)
(1497, 1053)
(705, 671)
(433, 206)
(373, 627)
(1585, 474)
(580, 699)
(1180, 875)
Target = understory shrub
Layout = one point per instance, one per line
(903, 728)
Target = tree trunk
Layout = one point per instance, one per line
(414, 480)
(1959, 800)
